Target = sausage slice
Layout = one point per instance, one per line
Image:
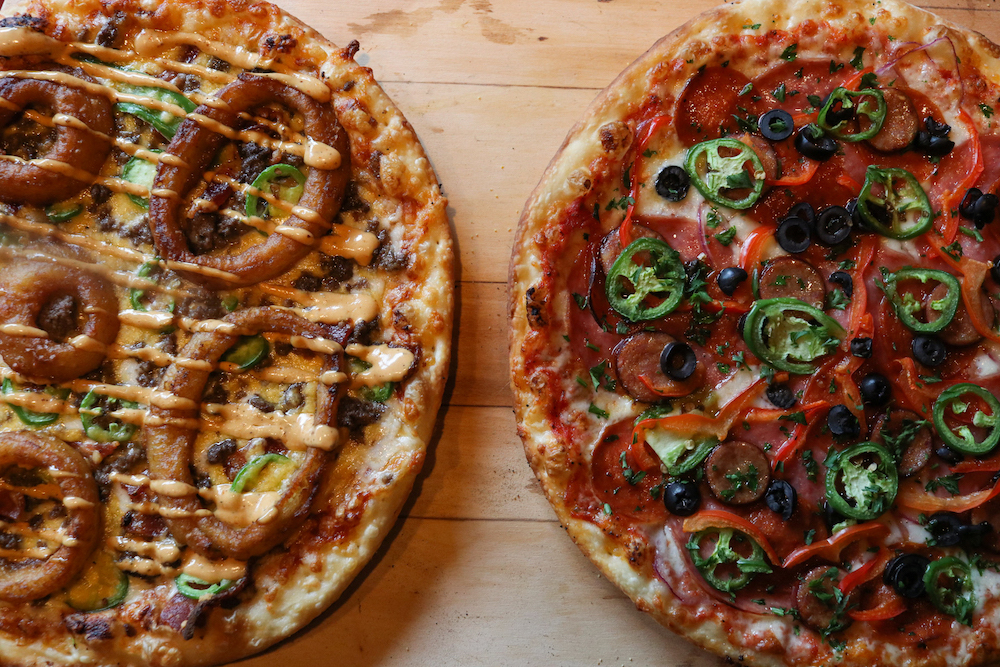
(917, 446)
(815, 597)
(737, 472)
(639, 355)
(794, 278)
(611, 246)
(960, 331)
(900, 126)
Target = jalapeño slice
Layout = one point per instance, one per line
(843, 105)
(733, 562)
(961, 400)
(720, 166)
(906, 306)
(631, 286)
(861, 481)
(790, 334)
(894, 204)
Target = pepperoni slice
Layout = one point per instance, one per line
(706, 107)
(637, 362)
(900, 126)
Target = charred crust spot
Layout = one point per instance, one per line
(614, 136)
(35, 23)
(280, 43)
(93, 628)
(349, 52)
(534, 301)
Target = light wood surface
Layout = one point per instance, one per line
(478, 570)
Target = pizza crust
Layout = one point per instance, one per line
(557, 433)
(368, 480)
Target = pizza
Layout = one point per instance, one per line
(754, 349)
(226, 296)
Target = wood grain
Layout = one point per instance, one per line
(478, 571)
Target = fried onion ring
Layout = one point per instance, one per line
(81, 149)
(34, 578)
(27, 286)
(169, 446)
(197, 144)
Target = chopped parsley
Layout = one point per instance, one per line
(746, 89)
(726, 237)
(603, 414)
(790, 53)
(949, 483)
(987, 110)
(779, 93)
(753, 26)
(812, 468)
(835, 66)
(836, 299)
(856, 62)
(631, 476)
(581, 300)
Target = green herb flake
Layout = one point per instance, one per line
(726, 237)
(835, 66)
(790, 53)
(836, 299)
(857, 62)
(949, 483)
(987, 110)
(779, 93)
(973, 233)
(594, 410)
(581, 300)
(746, 89)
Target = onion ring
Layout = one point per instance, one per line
(82, 149)
(169, 446)
(196, 145)
(26, 286)
(38, 578)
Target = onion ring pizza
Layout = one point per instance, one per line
(226, 297)
(754, 349)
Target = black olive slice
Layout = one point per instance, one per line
(843, 279)
(929, 350)
(834, 225)
(842, 422)
(678, 361)
(781, 498)
(776, 125)
(681, 498)
(875, 389)
(905, 575)
(794, 235)
(861, 347)
(814, 144)
(672, 183)
(730, 278)
(781, 395)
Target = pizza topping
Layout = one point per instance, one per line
(198, 589)
(894, 204)
(861, 481)
(718, 169)
(948, 582)
(861, 347)
(33, 572)
(794, 235)
(781, 498)
(681, 498)
(842, 422)
(160, 117)
(97, 421)
(678, 361)
(843, 106)
(791, 278)
(26, 287)
(195, 144)
(672, 183)
(820, 602)
(813, 143)
(790, 334)
(875, 389)
(961, 330)
(900, 124)
(730, 278)
(781, 395)
(962, 422)
(78, 153)
(101, 585)
(728, 559)
(776, 125)
(907, 305)
(650, 289)
(737, 472)
(929, 350)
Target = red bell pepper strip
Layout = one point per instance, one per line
(852, 83)
(830, 548)
(799, 176)
(700, 424)
(867, 245)
(890, 606)
(849, 183)
(915, 497)
(625, 230)
(679, 390)
(721, 519)
(992, 464)
(865, 572)
(753, 247)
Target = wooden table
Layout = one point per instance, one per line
(478, 570)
